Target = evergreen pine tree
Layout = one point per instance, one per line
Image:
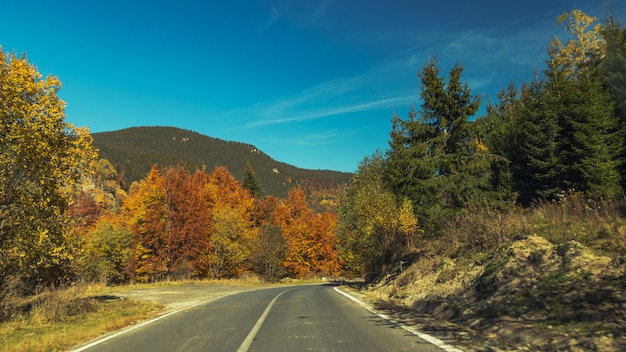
(614, 64)
(596, 143)
(251, 182)
(588, 144)
(614, 70)
(533, 155)
(562, 132)
(497, 126)
(436, 159)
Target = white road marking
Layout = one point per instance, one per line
(435, 341)
(245, 345)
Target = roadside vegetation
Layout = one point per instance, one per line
(519, 228)
(551, 277)
(510, 224)
(59, 319)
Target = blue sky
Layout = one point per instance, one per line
(313, 83)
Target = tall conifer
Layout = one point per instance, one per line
(436, 158)
(251, 182)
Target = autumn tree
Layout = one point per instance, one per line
(189, 222)
(84, 212)
(147, 214)
(231, 243)
(408, 226)
(97, 194)
(110, 248)
(584, 48)
(233, 234)
(374, 232)
(323, 253)
(41, 158)
(108, 191)
(310, 242)
(269, 254)
(270, 245)
(292, 215)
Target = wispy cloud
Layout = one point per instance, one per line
(393, 84)
(336, 97)
(318, 13)
(323, 112)
(271, 20)
(510, 53)
(316, 139)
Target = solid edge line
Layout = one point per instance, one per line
(435, 341)
(147, 322)
(245, 345)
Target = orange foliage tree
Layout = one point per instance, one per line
(147, 214)
(233, 232)
(310, 238)
(188, 223)
(323, 253)
(208, 225)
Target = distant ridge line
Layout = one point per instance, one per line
(133, 151)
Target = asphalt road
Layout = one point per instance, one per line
(298, 318)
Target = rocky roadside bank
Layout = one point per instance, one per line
(531, 296)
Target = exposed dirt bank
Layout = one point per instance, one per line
(532, 296)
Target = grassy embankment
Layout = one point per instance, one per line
(548, 278)
(56, 320)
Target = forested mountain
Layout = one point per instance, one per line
(134, 151)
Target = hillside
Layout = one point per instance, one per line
(133, 151)
(548, 278)
(532, 295)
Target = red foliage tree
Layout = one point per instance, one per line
(189, 222)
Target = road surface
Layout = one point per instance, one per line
(297, 318)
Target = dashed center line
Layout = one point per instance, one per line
(245, 345)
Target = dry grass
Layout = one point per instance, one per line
(58, 319)
(554, 274)
(600, 225)
(597, 224)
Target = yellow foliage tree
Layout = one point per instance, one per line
(146, 212)
(233, 233)
(585, 44)
(41, 159)
(231, 243)
(408, 227)
(375, 232)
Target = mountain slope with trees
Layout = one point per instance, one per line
(134, 151)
